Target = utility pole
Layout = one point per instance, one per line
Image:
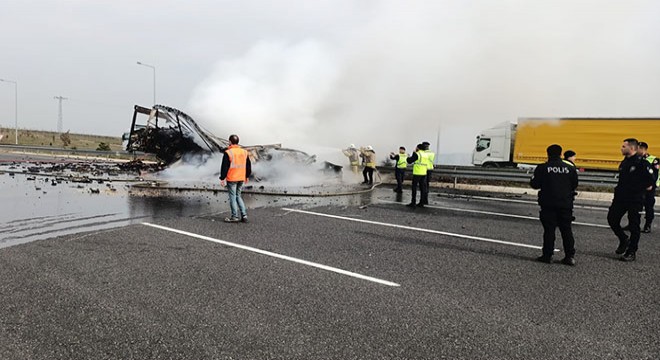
(59, 113)
(153, 67)
(437, 147)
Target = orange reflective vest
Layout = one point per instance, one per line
(237, 163)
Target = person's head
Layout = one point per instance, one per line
(233, 139)
(570, 155)
(629, 147)
(402, 150)
(352, 146)
(643, 148)
(419, 147)
(554, 151)
(369, 148)
(425, 145)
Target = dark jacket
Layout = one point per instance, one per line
(557, 182)
(412, 158)
(225, 167)
(635, 175)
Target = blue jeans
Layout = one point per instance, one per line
(234, 190)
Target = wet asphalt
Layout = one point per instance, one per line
(138, 292)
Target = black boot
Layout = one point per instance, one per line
(623, 246)
(628, 257)
(647, 228)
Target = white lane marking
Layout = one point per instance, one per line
(275, 255)
(587, 207)
(497, 214)
(477, 238)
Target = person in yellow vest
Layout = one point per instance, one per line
(649, 197)
(400, 168)
(429, 163)
(353, 157)
(369, 158)
(235, 170)
(419, 161)
(569, 157)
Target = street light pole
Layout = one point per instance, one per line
(154, 70)
(15, 107)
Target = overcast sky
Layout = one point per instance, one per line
(330, 73)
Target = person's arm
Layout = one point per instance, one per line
(412, 158)
(574, 177)
(537, 179)
(648, 177)
(224, 169)
(248, 168)
(394, 157)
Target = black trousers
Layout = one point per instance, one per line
(429, 173)
(614, 215)
(400, 174)
(649, 203)
(419, 181)
(370, 173)
(551, 218)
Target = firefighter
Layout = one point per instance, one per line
(649, 198)
(556, 182)
(635, 179)
(369, 159)
(235, 170)
(353, 157)
(569, 157)
(430, 161)
(420, 168)
(400, 169)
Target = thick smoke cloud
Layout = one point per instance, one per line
(416, 69)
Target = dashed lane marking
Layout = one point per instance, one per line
(476, 238)
(586, 207)
(497, 214)
(275, 255)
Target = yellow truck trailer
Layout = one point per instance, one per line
(597, 141)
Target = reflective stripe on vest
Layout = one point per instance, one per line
(431, 159)
(402, 163)
(419, 166)
(237, 163)
(568, 163)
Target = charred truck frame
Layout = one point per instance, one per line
(170, 133)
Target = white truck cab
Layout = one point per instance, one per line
(494, 147)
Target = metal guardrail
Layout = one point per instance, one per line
(605, 179)
(455, 172)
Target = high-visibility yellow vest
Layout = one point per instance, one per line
(402, 163)
(431, 159)
(568, 163)
(650, 159)
(420, 166)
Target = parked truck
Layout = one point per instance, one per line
(597, 141)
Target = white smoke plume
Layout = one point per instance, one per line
(418, 68)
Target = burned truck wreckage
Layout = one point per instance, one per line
(171, 135)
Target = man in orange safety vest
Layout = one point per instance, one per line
(236, 169)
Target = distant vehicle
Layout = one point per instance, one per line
(596, 140)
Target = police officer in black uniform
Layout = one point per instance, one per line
(649, 198)
(635, 179)
(557, 182)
